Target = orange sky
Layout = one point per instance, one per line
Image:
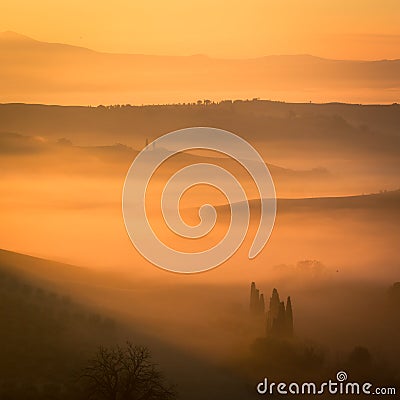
(347, 29)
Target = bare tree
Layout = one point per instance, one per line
(125, 373)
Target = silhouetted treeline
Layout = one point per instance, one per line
(317, 126)
(284, 359)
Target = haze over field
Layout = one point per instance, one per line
(64, 176)
(37, 72)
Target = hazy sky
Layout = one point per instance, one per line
(348, 29)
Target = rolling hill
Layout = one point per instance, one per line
(46, 337)
(386, 202)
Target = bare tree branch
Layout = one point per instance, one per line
(126, 373)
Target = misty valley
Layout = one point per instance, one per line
(81, 309)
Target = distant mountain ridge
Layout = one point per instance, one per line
(34, 71)
(15, 38)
